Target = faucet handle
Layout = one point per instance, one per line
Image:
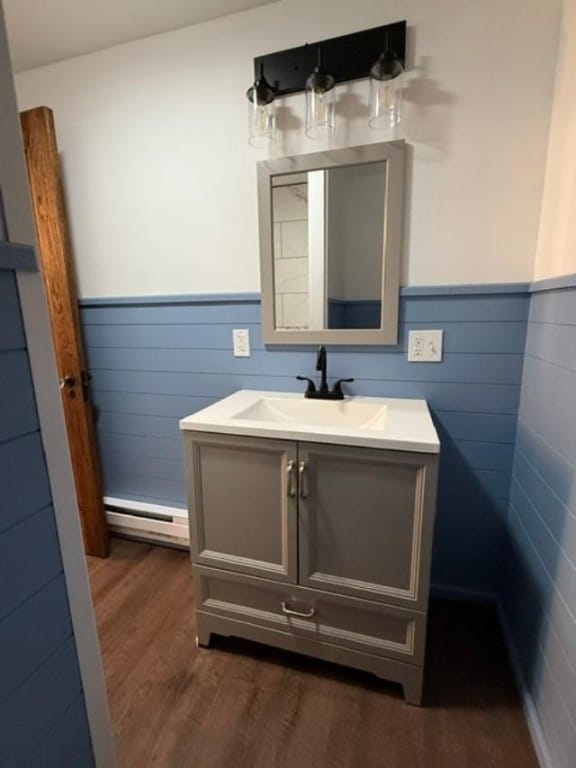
(311, 388)
(337, 388)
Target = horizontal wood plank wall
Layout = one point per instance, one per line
(41, 697)
(156, 361)
(540, 594)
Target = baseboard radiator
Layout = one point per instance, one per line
(148, 522)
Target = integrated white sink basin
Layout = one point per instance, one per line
(350, 413)
(371, 422)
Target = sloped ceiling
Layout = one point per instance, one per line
(42, 32)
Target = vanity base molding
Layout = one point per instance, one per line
(385, 640)
(410, 677)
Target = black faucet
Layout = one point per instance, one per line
(321, 366)
(323, 393)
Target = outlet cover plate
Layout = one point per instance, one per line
(425, 346)
(241, 338)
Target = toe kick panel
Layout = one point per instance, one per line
(339, 620)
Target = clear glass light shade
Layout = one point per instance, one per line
(261, 124)
(320, 105)
(261, 112)
(386, 85)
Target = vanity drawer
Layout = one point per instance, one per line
(328, 618)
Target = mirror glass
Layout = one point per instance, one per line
(328, 247)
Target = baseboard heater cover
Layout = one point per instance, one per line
(148, 522)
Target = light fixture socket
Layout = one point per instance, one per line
(387, 67)
(261, 92)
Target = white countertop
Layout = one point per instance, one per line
(399, 424)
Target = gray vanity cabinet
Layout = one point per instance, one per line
(243, 504)
(320, 549)
(363, 522)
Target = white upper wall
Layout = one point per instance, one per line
(161, 182)
(556, 254)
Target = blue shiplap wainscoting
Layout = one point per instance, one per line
(159, 359)
(42, 714)
(539, 592)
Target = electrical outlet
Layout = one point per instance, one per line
(425, 346)
(241, 338)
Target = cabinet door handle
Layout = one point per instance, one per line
(291, 479)
(302, 467)
(301, 614)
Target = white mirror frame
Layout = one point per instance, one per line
(392, 153)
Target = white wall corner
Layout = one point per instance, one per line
(556, 245)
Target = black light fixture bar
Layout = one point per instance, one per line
(346, 58)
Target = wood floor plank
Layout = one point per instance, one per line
(242, 705)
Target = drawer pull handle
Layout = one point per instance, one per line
(291, 479)
(302, 615)
(303, 479)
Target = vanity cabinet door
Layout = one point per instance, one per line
(243, 500)
(365, 522)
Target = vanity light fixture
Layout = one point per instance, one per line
(377, 54)
(261, 112)
(386, 83)
(320, 101)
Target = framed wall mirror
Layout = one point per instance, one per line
(330, 245)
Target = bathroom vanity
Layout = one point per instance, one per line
(311, 526)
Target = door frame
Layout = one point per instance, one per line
(51, 417)
(66, 512)
(54, 255)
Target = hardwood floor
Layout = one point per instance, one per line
(241, 705)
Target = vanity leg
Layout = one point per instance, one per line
(203, 634)
(413, 686)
